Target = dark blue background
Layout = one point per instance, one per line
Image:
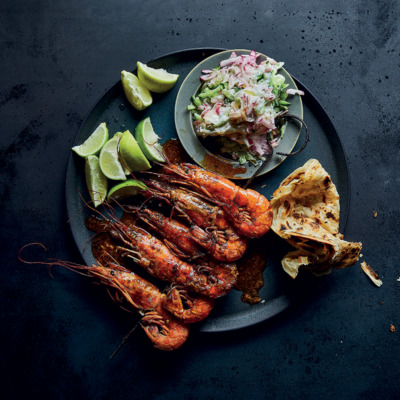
(57, 58)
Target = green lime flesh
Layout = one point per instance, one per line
(147, 140)
(157, 80)
(136, 93)
(132, 155)
(109, 161)
(94, 143)
(124, 190)
(96, 181)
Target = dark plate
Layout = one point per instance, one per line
(203, 156)
(279, 289)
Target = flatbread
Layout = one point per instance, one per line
(307, 193)
(306, 213)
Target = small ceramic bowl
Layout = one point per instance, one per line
(195, 146)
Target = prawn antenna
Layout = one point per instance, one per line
(88, 241)
(159, 175)
(161, 164)
(85, 204)
(160, 152)
(124, 339)
(51, 262)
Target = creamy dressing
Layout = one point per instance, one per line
(238, 102)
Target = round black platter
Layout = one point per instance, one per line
(279, 289)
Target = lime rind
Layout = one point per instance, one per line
(147, 140)
(94, 143)
(135, 91)
(96, 181)
(156, 80)
(124, 190)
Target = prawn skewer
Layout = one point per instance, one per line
(249, 211)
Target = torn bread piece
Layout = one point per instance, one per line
(371, 274)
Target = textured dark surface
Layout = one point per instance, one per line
(56, 59)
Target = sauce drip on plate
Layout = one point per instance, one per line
(175, 152)
(222, 167)
(251, 268)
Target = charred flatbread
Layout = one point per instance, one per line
(306, 213)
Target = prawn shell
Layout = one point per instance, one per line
(210, 227)
(249, 211)
(196, 308)
(175, 338)
(172, 230)
(161, 263)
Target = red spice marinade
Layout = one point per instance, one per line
(222, 167)
(253, 263)
(250, 280)
(176, 154)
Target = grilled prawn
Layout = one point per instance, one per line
(164, 331)
(185, 306)
(151, 254)
(176, 235)
(249, 211)
(209, 225)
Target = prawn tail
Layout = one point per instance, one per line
(186, 307)
(165, 332)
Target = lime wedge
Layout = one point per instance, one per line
(93, 143)
(148, 140)
(136, 93)
(118, 135)
(156, 80)
(131, 154)
(95, 180)
(109, 161)
(125, 189)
